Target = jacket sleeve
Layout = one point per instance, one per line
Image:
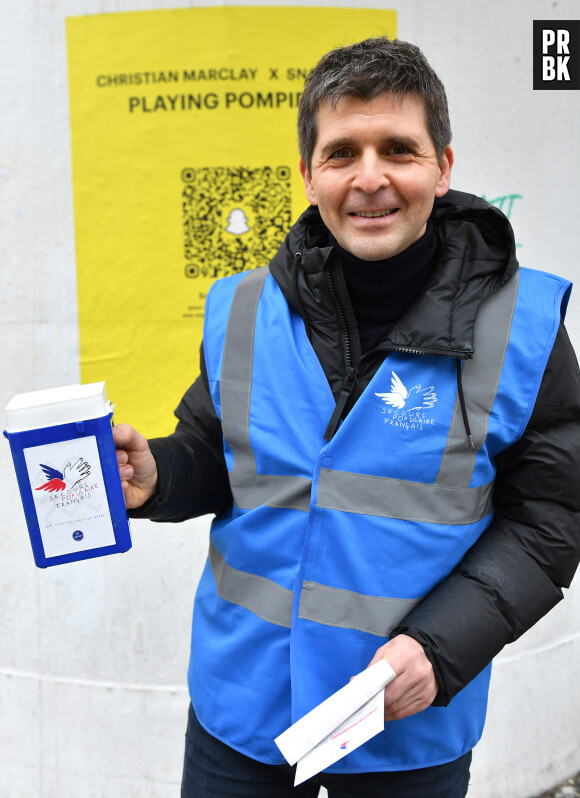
(193, 478)
(515, 572)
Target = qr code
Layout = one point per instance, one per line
(233, 218)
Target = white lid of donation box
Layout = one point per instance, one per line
(55, 406)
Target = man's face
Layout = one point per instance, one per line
(375, 173)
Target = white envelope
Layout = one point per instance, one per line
(338, 725)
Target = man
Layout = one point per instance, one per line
(386, 428)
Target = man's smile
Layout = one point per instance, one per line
(373, 214)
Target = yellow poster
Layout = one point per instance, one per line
(185, 169)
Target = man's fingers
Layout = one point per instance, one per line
(415, 687)
(123, 437)
(408, 694)
(377, 658)
(126, 472)
(126, 437)
(137, 467)
(398, 711)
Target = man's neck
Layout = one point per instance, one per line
(382, 291)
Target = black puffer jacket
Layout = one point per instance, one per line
(513, 575)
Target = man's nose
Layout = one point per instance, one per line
(371, 173)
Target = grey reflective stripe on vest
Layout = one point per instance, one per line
(275, 490)
(333, 606)
(249, 488)
(409, 501)
(480, 379)
(330, 606)
(237, 366)
(262, 596)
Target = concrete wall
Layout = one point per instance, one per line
(93, 656)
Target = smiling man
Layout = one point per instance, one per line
(386, 428)
(374, 173)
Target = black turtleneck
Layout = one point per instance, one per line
(381, 291)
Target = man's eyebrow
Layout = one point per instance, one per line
(406, 141)
(339, 143)
(336, 144)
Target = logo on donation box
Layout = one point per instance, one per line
(556, 54)
(234, 218)
(69, 496)
(408, 408)
(71, 485)
(72, 474)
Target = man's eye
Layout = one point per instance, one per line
(343, 152)
(399, 149)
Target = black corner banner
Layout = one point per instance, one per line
(556, 54)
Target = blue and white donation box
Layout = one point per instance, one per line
(64, 455)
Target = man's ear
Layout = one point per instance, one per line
(444, 179)
(310, 193)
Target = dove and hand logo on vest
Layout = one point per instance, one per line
(408, 407)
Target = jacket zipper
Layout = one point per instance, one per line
(343, 398)
(351, 370)
(344, 331)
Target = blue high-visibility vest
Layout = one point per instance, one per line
(329, 545)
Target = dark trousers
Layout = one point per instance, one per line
(214, 770)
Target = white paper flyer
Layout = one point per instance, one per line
(343, 722)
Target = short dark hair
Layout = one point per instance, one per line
(368, 69)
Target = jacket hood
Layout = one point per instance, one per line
(476, 256)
